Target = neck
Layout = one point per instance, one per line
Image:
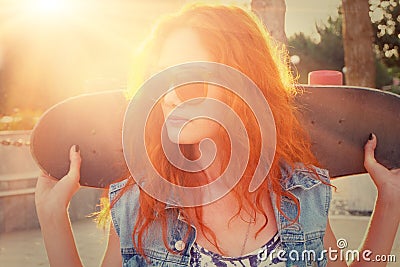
(210, 155)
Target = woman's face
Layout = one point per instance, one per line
(180, 46)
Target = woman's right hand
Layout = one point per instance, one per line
(52, 198)
(52, 195)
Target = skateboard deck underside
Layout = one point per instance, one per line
(338, 119)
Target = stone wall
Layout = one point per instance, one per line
(18, 175)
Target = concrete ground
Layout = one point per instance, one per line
(25, 248)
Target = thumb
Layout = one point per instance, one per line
(369, 151)
(371, 165)
(69, 184)
(75, 163)
(71, 180)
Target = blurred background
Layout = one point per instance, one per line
(54, 49)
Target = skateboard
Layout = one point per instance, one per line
(92, 121)
(339, 120)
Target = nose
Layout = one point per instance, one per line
(171, 99)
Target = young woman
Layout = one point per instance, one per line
(287, 213)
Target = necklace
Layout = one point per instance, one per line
(245, 239)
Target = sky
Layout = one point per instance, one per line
(301, 15)
(77, 45)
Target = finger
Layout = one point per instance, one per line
(71, 180)
(69, 184)
(369, 151)
(376, 170)
(75, 163)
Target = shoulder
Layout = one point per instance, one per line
(303, 177)
(119, 189)
(124, 204)
(311, 186)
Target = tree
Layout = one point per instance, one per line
(385, 16)
(325, 54)
(272, 13)
(358, 43)
(328, 53)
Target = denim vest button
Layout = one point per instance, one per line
(180, 245)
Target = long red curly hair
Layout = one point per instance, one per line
(237, 38)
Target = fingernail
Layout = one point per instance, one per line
(371, 136)
(76, 148)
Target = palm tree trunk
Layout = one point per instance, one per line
(358, 43)
(272, 13)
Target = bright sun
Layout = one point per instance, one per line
(48, 7)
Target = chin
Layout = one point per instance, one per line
(182, 138)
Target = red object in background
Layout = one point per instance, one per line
(325, 77)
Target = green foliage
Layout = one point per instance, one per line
(326, 54)
(385, 16)
(383, 75)
(394, 89)
(331, 45)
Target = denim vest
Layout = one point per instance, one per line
(302, 242)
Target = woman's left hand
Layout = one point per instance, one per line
(387, 181)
